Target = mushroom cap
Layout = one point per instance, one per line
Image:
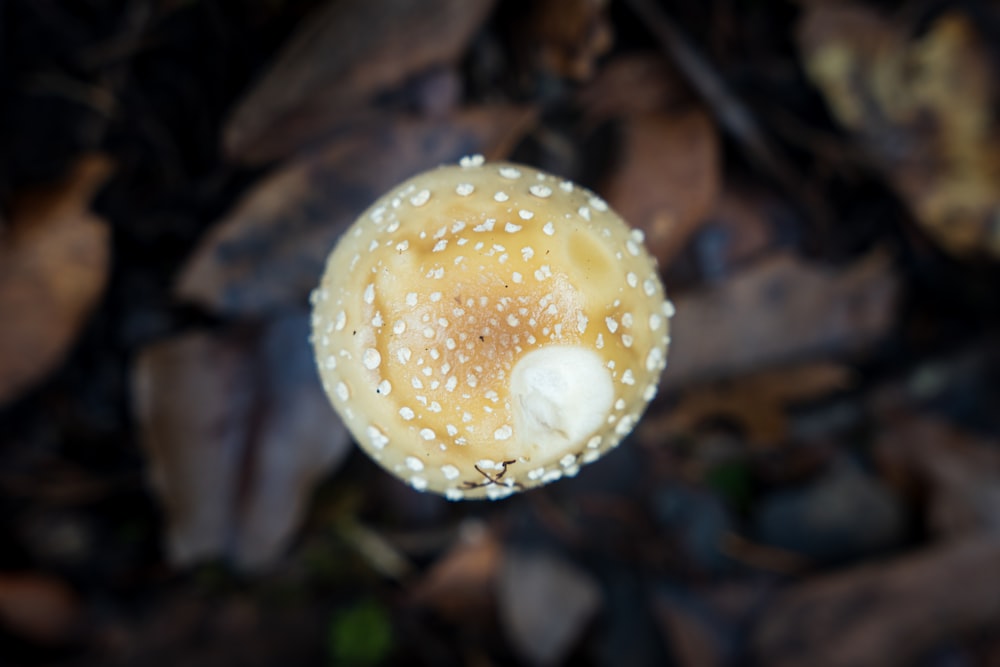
(487, 328)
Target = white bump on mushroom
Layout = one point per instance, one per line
(594, 442)
(341, 320)
(649, 286)
(402, 246)
(549, 229)
(527, 253)
(449, 471)
(411, 299)
(627, 320)
(637, 235)
(421, 198)
(611, 324)
(343, 393)
(418, 483)
(511, 228)
(399, 327)
(427, 434)
(384, 388)
(406, 413)
(655, 321)
(631, 279)
(378, 439)
(485, 226)
(627, 340)
(632, 247)
(584, 212)
(628, 377)
(464, 189)
(581, 322)
(501, 196)
(540, 191)
(503, 433)
(404, 354)
(654, 359)
(414, 464)
(668, 309)
(371, 358)
(330, 363)
(472, 161)
(598, 204)
(517, 277)
(377, 320)
(454, 494)
(440, 245)
(567, 460)
(526, 214)
(510, 173)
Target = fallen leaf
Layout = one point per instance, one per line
(54, 262)
(923, 106)
(632, 84)
(961, 470)
(758, 402)
(884, 615)
(238, 432)
(668, 178)
(566, 36)
(338, 61)
(462, 584)
(545, 604)
(38, 607)
(781, 310)
(269, 251)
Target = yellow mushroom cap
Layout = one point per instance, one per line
(486, 328)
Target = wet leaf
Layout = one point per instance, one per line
(780, 310)
(922, 106)
(238, 432)
(338, 61)
(269, 251)
(54, 262)
(361, 635)
(545, 604)
(38, 607)
(858, 617)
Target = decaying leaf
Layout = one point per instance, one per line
(887, 614)
(338, 61)
(38, 607)
(668, 177)
(923, 106)
(238, 432)
(269, 251)
(779, 311)
(757, 402)
(545, 604)
(54, 262)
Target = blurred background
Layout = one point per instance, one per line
(817, 483)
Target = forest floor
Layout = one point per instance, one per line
(817, 482)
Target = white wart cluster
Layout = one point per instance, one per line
(486, 328)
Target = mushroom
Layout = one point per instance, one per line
(486, 328)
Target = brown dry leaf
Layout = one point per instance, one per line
(567, 36)
(238, 432)
(545, 604)
(38, 608)
(668, 178)
(338, 61)
(757, 402)
(962, 471)
(923, 106)
(462, 583)
(781, 310)
(269, 251)
(887, 614)
(54, 262)
(633, 84)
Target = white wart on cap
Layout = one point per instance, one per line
(486, 328)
